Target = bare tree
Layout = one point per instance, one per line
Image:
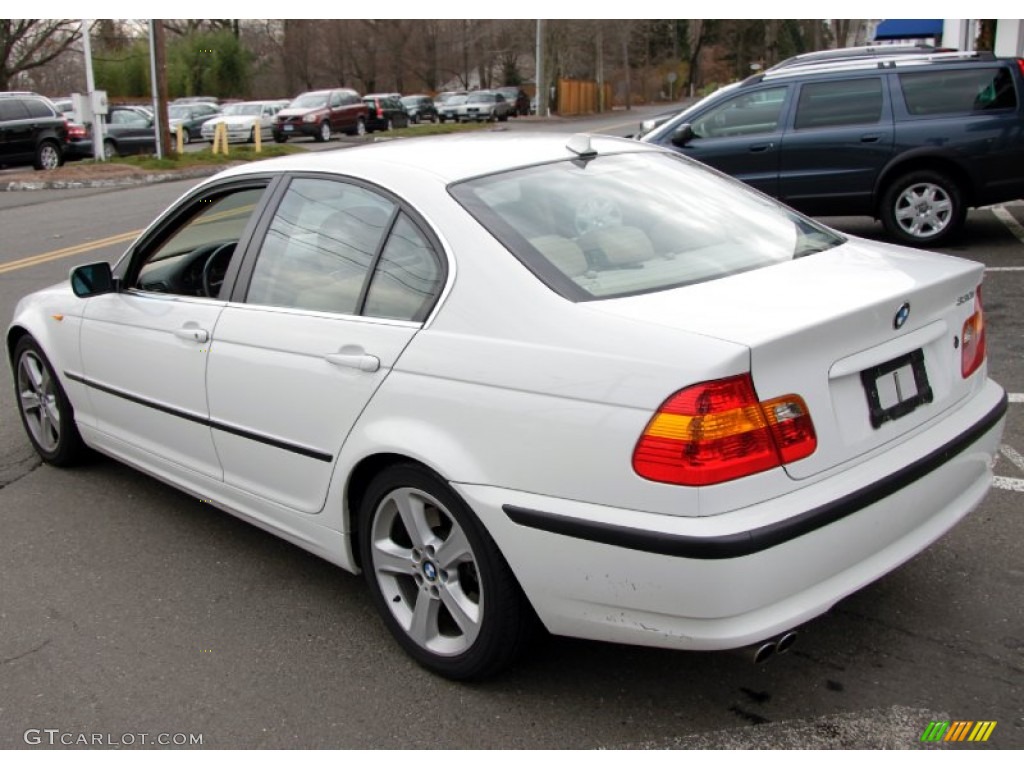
(26, 44)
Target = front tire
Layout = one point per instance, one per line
(45, 410)
(923, 208)
(48, 156)
(109, 149)
(280, 138)
(442, 587)
(324, 134)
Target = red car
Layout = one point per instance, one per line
(321, 114)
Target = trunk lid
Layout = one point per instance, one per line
(825, 327)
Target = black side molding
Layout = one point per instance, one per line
(283, 445)
(758, 539)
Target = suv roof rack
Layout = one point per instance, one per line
(856, 52)
(879, 62)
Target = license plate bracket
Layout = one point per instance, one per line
(896, 388)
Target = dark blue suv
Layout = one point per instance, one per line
(913, 141)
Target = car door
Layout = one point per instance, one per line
(145, 347)
(741, 136)
(840, 138)
(339, 284)
(15, 131)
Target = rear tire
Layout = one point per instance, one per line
(48, 156)
(280, 138)
(46, 412)
(437, 578)
(923, 208)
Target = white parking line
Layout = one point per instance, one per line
(1013, 456)
(1008, 483)
(1016, 397)
(1008, 219)
(1004, 269)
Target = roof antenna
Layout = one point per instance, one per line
(579, 145)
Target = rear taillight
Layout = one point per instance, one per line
(718, 431)
(76, 131)
(972, 338)
(1020, 66)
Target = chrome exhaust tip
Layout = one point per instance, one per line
(785, 642)
(763, 652)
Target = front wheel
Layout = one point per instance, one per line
(45, 410)
(441, 585)
(109, 148)
(324, 134)
(280, 138)
(923, 208)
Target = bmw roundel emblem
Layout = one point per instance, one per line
(430, 571)
(901, 315)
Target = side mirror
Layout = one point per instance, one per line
(92, 280)
(681, 136)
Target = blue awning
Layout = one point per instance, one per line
(908, 29)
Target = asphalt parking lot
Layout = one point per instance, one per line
(134, 612)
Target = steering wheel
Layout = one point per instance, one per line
(212, 281)
(597, 212)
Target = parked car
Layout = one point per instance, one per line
(196, 100)
(192, 117)
(655, 407)
(484, 105)
(321, 114)
(517, 98)
(912, 140)
(420, 108)
(128, 130)
(450, 107)
(384, 112)
(241, 119)
(32, 131)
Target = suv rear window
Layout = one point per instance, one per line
(632, 223)
(952, 91)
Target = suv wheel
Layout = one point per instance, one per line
(48, 156)
(325, 132)
(923, 208)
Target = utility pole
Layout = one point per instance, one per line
(163, 134)
(90, 87)
(542, 86)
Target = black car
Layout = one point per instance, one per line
(420, 108)
(911, 140)
(385, 112)
(191, 117)
(32, 131)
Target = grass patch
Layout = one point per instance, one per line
(238, 153)
(436, 129)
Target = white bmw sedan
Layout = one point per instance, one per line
(582, 383)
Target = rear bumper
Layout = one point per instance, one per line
(733, 579)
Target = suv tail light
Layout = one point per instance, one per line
(718, 431)
(972, 353)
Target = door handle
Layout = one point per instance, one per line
(761, 147)
(870, 138)
(354, 357)
(192, 332)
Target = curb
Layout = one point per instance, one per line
(127, 181)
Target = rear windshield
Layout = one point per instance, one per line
(632, 223)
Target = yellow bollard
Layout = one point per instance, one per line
(257, 132)
(181, 138)
(220, 139)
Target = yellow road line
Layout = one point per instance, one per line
(72, 250)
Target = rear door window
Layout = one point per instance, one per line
(958, 91)
(839, 102)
